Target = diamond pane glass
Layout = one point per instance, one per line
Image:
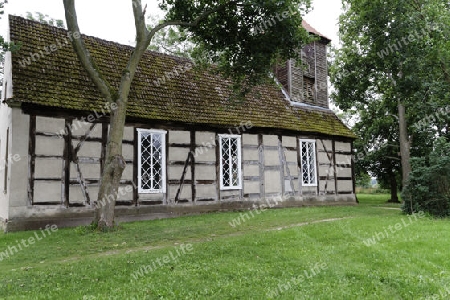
(230, 162)
(308, 159)
(151, 161)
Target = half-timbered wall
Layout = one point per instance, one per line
(66, 165)
(62, 163)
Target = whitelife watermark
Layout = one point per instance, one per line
(175, 72)
(11, 158)
(266, 24)
(257, 209)
(47, 50)
(412, 37)
(78, 124)
(206, 146)
(43, 233)
(172, 256)
(440, 115)
(295, 281)
(393, 229)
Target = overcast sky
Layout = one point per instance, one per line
(113, 20)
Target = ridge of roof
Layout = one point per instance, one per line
(312, 30)
(164, 88)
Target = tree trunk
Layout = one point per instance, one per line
(394, 197)
(404, 144)
(112, 173)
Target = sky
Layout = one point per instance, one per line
(114, 22)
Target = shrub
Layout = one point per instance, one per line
(428, 187)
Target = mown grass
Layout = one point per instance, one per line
(253, 260)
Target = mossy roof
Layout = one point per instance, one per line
(57, 79)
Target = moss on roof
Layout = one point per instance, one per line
(57, 79)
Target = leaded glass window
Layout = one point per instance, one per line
(308, 162)
(230, 162)
(151, 161)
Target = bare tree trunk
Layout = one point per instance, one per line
(112, 173)
(394, 197)
(404, 143)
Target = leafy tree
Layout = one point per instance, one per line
(393, 71)
(429, 183)
(227, 28)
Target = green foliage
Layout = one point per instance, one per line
(170, 40)
(45, 19)
(429, 183)
(243, 37)
(392, 52)
(363, 180)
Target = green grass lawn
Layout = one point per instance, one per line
(300, 253)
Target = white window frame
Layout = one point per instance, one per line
(313, 142)
(238, 137)
(163, 161)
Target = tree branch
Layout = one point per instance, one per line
(83, 54)
(139, 20)
(194, 23)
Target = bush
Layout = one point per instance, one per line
(428, 187)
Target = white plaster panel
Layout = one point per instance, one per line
(272, 182)
(327, 143)
(271, 158)
(291, 155)
(343, 159)
(179, 137)
(125, 192)
(325, 170)
(49, 146)
(289, 141)
(251, 187)
(151, 197)
(203, 172)
(345, 185)
(205, 154)
(330, 186)
(341, 146)
(175, 172)
(91, 171)
(250, 139)
(323, 158)
(93, 192)
(76, 194)
(205, 137)
(250, 154)
(186, 192)
(127, 151)
(128, 133)
(344, 172)
(51, 125)
(128, 172)
(89, 149)
(178, 154)
(251, 170)
(48, 168)
(47, 191)
(270, 140)
(206, 191)
(293, 169)
(228, 193)
(309, 189)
